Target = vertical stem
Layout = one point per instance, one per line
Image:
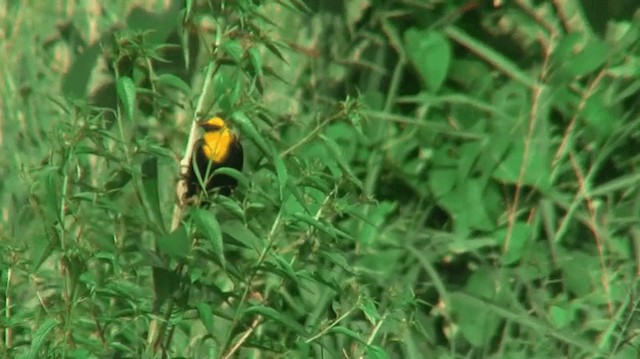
(8, 335)
(154, 337)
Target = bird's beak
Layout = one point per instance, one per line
(201, 123)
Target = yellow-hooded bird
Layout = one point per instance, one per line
(219, 147)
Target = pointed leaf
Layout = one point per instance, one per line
(176, 244)
(256, 61)
(206, 316)
(430, 53)
(278, 317)
(233, 48)
(209, 227)
(283, 176)
(337, 153)
(175, 82)
(150, 187)
(127, 94)
(249, 130)
(38, 338)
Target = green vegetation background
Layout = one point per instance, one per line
(423, 179)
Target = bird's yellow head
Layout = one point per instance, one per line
(217, 139)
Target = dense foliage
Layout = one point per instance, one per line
(423, 179)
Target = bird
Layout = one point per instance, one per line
(219, 147)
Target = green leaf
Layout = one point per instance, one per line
(369, 309)
(234, 173)
(430, 53)
(520, 233)
(206, 317)
(38, 338)
(285, 267)
(467, 205)
(165, 284)
(118, 180)
(480, 284)
(477, 324)
(376, 216)
(235, 89)
(354, 11)
(271, 46)
(337, 153)
(617, 184)
(306, 199)
(78, 353)
(208, 225)
(188, 6)
(176, 244)
(537, 166)
(127, 94)
(338, 329)
(185, 37)
(231, 206)
(338, 259)
(256, 61)
(462, 245)
(41, 251)
(239, 232)
(327, 229)
(628, 69)
(233, 48)
(52, 189)
(150, 187)
(600, 120)
(175, 82)
(376, 352)
(283, 176)
(580, 273)
(576, 56)
(273, 314)
(442, 181)
(482, 314)
(249, 131)
(560, 317)
(300, 6)
(595, 54)
(488, 54)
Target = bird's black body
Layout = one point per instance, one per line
(224, 184)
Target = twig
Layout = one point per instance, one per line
(181, 187)
(8, 333)
(155, 331)
(243, 338)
